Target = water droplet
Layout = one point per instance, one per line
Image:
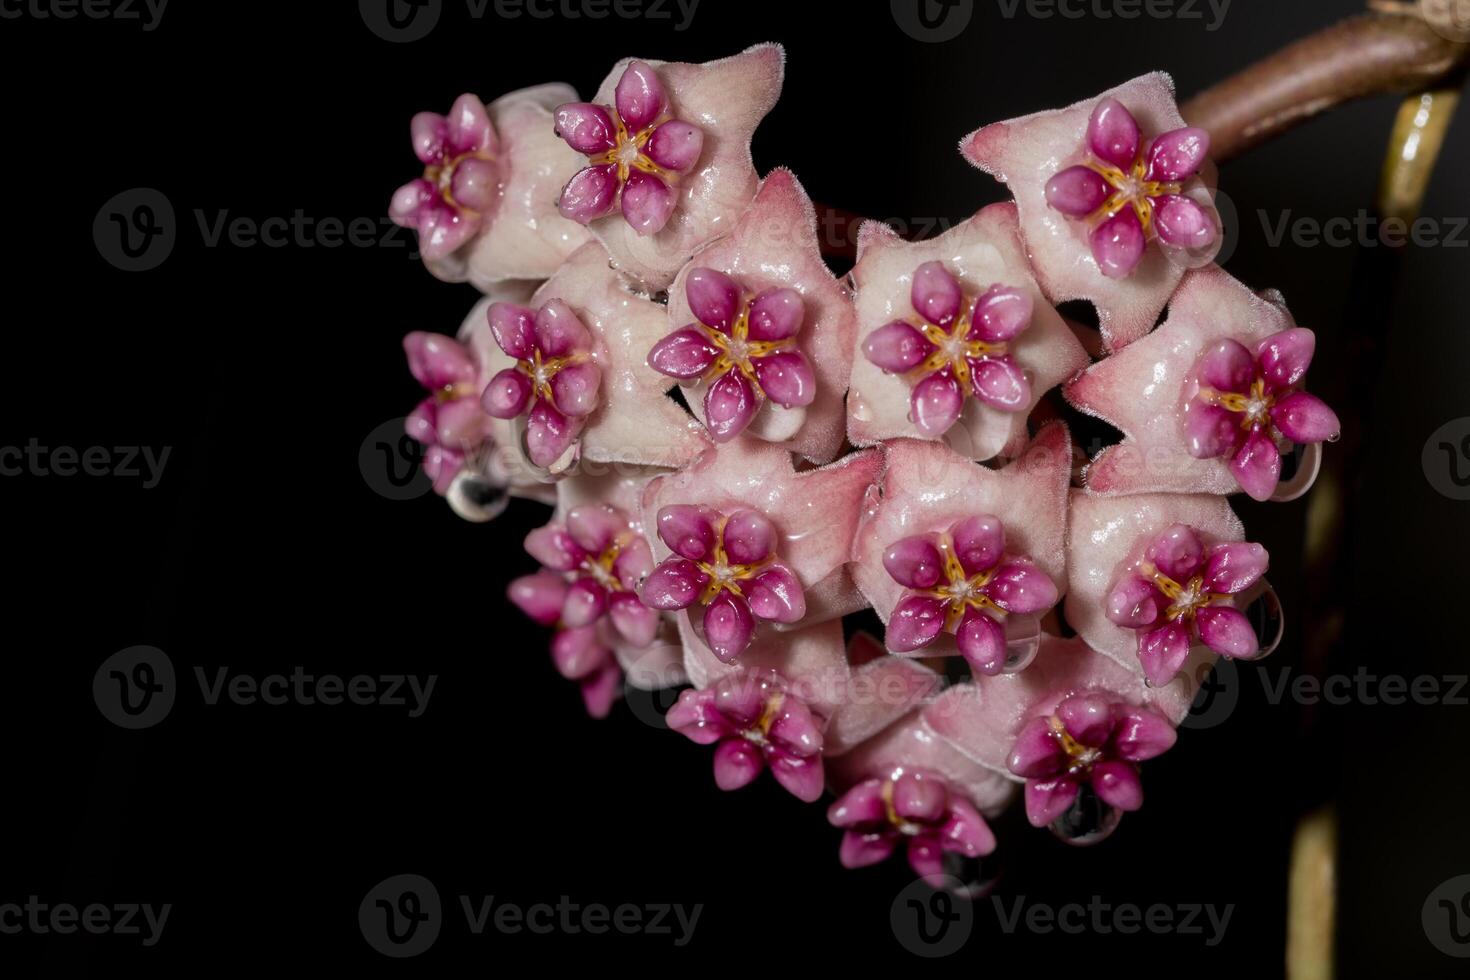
(475, 498)
(972, 878)
(1087, 821)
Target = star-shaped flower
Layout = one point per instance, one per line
(723, 101)
(763, 333)
(1209, 400)
(954, 338)
(1137, 122)
(1020, 512)
(484, 208)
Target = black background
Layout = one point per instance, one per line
(264, 547)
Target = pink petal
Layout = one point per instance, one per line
(896, 347)
(577, 652)
(936, 294)
(1177, 551)
(1022, 588)
(587, 128)
(513, 327)
(688, 529)
(748, 537)
(585, 603)
(1182, 223)
(591, 193)
(936, 403)
(600, 691)
(1178, 155)
(1117, 784)
(919, 797)
(437, 361)
(1285, 356)
(787, 378)
(776, 314)
(676, 146)
(429, 133)
(574, 388)
(863, 804)
(683, 354)
(979, 542)
(594, 526)
(714, 298)
(965, 832)
(636, 622)
(926, 858)
(475, 184)
(1000, 383)
(729, 405)
(915, 622)
(647, 202)
(802, 777)
(460, 422)
(1162, 652)
(640, 96)
(422, 423)
(1001, 313)
(1036, 752)
(695, 717)
(1305, 418)
(634, 561)
(553, 547)
(914, 562)
(1047, 800)
(675, 584)
(737, 763)
(468, 126)
(549, 434)
(1118, 243)
(1256, 466)
(1227, 366)
(728, 626)
(860, 850)
(1077, 191)
(776, 594)
(539, 596)
(1143, 734)
(1133, 603)
(795, 731)
(1113, 135)
(1211, 430)
(443, 230)
(406, 207)
(1089, 718)
(559, 332)
(1235, 567)
(1226, 631)
(442, 465)
(506, 395)
(982, 642)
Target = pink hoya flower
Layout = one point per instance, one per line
(1247, 402)
(1207, 401)
(482, 207)
(1092, 189)
(913, 804)
(763, 332)
(957, 342)
(1091, 739)
(637, 152)
(962, 581)
(728, 564)
(755, 723)
(449, 422)
(743, 345)
(669, 149)
(1181, 590)
(1130, 190)
(955, 346)
(936, 553)
(554, 382)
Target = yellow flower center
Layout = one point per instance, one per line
(953, 348)
(1131, 187)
